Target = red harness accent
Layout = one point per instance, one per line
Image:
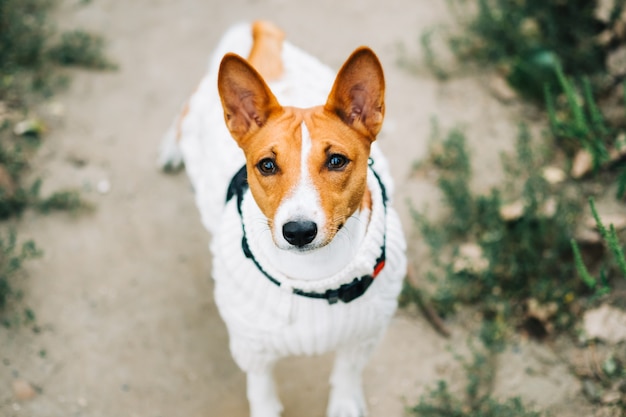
(379, 267)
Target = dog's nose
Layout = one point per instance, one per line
(299, 233)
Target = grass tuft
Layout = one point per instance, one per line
(477, 401)
(12, 256)
(80, 48)
(600, 285)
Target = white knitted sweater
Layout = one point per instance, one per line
(266, 321)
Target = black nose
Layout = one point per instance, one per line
(299, 233)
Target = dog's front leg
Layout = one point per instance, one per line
(262, 395)
(346, 395)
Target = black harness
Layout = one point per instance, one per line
(346, 292)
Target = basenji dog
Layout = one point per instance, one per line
(308, 252)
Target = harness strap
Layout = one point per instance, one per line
(346, 292)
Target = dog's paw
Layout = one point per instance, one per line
(347, 404)
(170, 157)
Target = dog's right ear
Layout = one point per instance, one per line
(247, 100)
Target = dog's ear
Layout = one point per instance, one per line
(358, 95)
(247, 100)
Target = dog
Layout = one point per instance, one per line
(308, 252)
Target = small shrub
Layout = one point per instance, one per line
(600, 285)
(67, 200)
(430, 58)
(529, 39)
(494, 260)
(442, 403)
(477, 402)
(579, 123)
(12, 257)
(80, 48)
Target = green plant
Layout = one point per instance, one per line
(66, 200)
(580, 124)
(477, 401)
(430, 59)
(12, 257)
(442, 403)
(23, 34)
(62, 200)
(528, 39)
(495, 260)
(581, 121)
(16, 197)
(600, 285)
(28, 54)
(80, 48)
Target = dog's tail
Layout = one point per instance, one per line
(266, 52)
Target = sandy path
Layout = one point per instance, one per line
(123, 295)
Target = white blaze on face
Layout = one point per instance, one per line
(302, 203)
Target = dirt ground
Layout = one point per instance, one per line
(123, 295)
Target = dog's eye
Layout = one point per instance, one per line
(336, 162)
(267, 166)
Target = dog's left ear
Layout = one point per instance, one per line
(247, 100)
(358, 95)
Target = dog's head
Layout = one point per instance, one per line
(307, 168)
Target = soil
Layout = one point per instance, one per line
(126, 323)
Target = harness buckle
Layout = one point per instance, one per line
(332, 296)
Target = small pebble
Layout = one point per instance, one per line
(56, 109)
(553, 175)
(611, 397)
(103, 186)
(512, 211)
(549, 207)
(583, 163)
(23, 390)
(501, 89)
